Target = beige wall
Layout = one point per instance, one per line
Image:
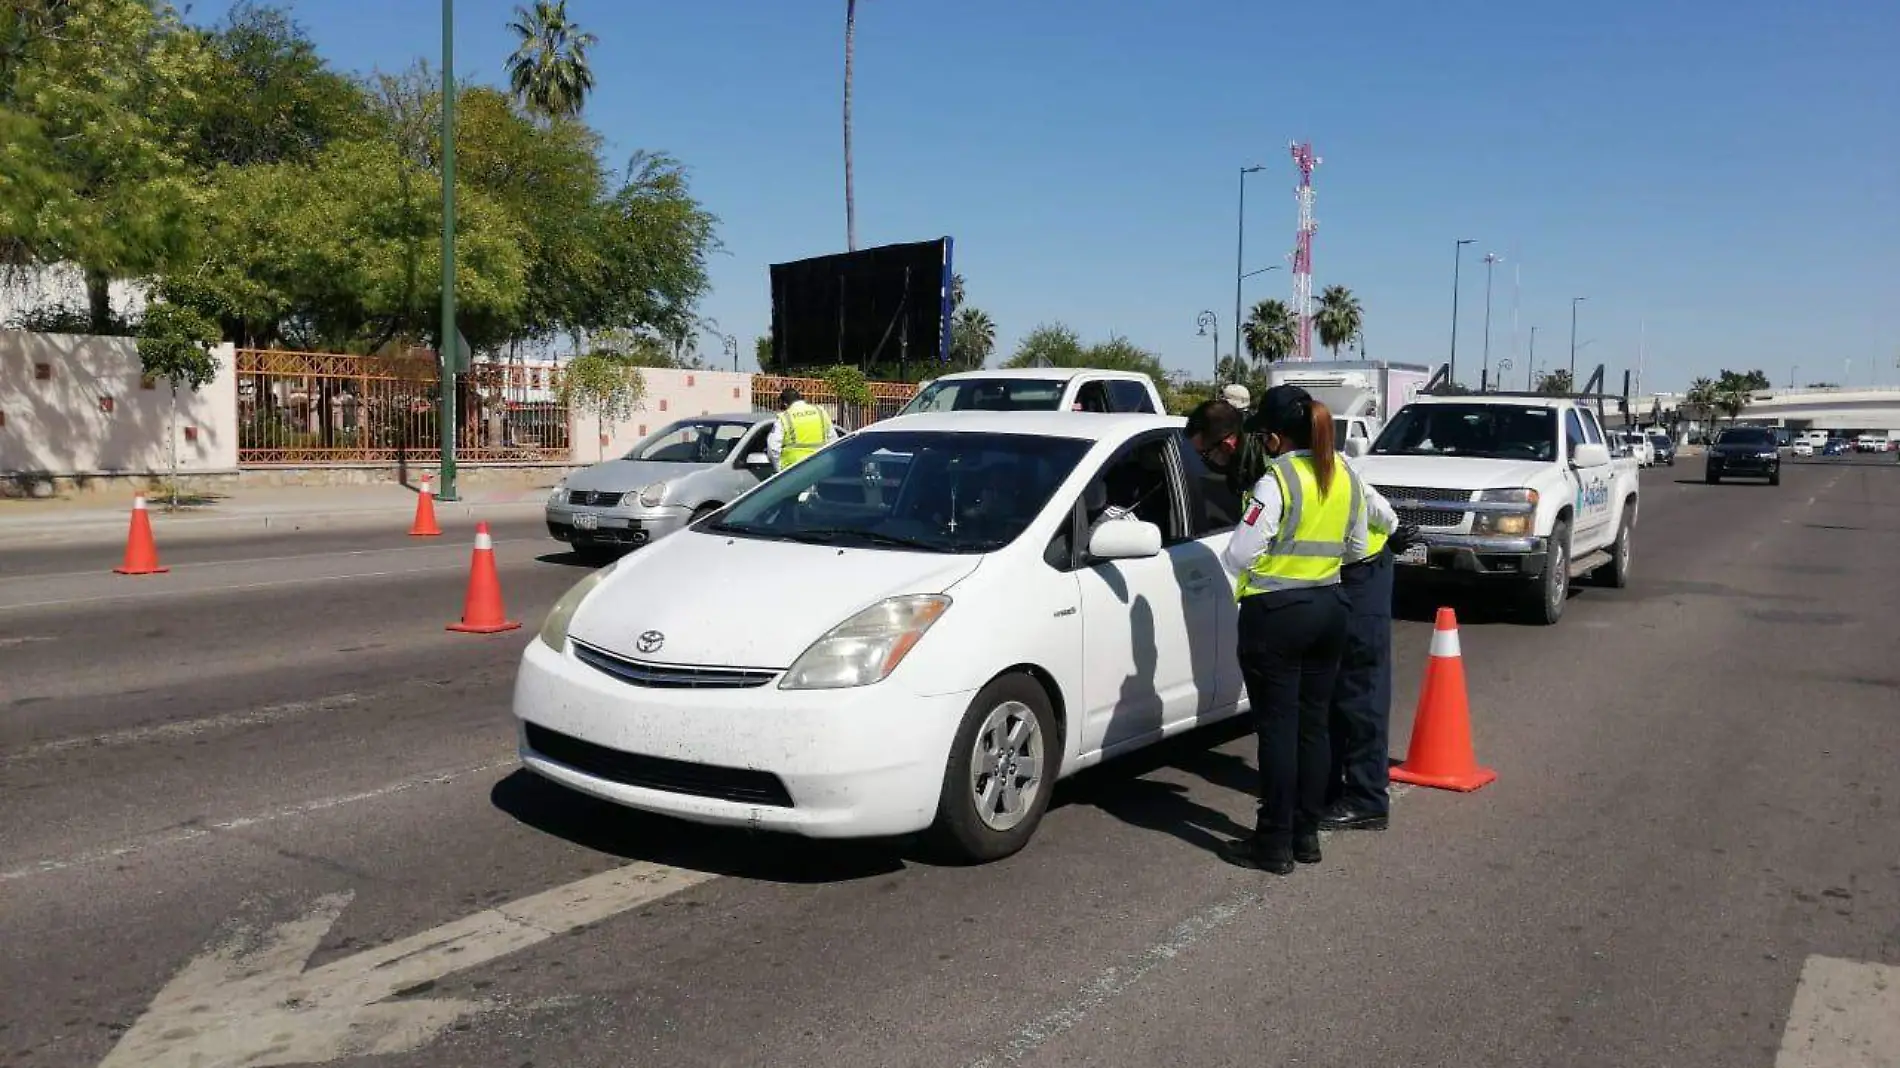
(59, 425)
(669, 395)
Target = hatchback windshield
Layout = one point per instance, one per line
(691, 441)
(987, 395)
(932, 491)
(1746, 436)
(1493, 431)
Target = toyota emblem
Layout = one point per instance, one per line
(650, 642)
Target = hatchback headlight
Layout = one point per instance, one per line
(558, 493)
(867, 647)
(1511, 524)
(554, 629)
(652, 495)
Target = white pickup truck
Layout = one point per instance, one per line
(1511, 489)
(1039, 389)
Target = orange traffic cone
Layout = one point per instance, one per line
(424, 526)
(481, 610)
(141, 552)
(1440, 754)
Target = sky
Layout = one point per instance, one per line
(1720, 180)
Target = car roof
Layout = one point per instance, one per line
(755, 416)
(1086, 426)
(1046, 374)
(1491, 398)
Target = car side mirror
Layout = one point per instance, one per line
(1357, 447)
(1588, 455)
(1125, 539)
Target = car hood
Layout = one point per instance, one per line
(627, 476)
(722, 601)
(1450, 472)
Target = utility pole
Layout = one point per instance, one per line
(447, 347)
(1457, 255)
(1490, 261)
(1240, 258)
(1530, 363)
(1574, 301)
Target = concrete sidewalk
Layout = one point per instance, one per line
(256, 509)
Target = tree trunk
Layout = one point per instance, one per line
(850, 194)
(99, 301)
(174, 440)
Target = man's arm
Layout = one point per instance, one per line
(774, 441)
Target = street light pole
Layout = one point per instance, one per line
(1457, 258)
(1484, 372)
(446, 490)
(1530, 363)
(1240, 260)
(1574, 301)
(1210, 327)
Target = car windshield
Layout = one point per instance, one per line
(1492, 431)
(691, 441)
(987, 395)
(1746, 436)
(935, 491)
(1659, 441)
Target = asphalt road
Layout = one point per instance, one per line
(279, 747)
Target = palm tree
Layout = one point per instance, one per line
(850, 195)
(1270, 331)
(1701, 397)
(972, 339)
(1340, 318)
(549, 70)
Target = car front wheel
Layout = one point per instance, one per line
(1001, 771)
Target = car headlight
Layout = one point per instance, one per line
(1764, 456)
(652, 495)
(554, 629)
(1507, 523)
(558, 493)
(867, 647)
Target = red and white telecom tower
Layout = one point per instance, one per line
(1304, 159)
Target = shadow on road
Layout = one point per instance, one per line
(1119, 788)
(570, 558)
(1419, 602)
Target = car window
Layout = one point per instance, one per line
(1126, 395)
(755, 443)
(1590, 428)
(934, 491)
(988, 395)
(690, 441)
(1744, 436)
(1573, 431)
(1492, 431)
(1091, 397)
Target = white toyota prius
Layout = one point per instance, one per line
(923, 626)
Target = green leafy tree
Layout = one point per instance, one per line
(603, 385)
(1733, 391)
(1270, 332)
(1049, 345)
(1339, 318)
(268, 97)
(762, 352)
(174, 343)
(549, 70)
(1555, 382)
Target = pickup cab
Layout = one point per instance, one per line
(1038, 389)
(1523, 493)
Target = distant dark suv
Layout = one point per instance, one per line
(1745, 452)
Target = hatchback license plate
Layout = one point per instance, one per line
(1413, 554)
(586, 522)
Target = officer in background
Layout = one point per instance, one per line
(1304, 518)
(1236, 394)
(800, 430)
(1359, 721)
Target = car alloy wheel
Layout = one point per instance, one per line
(1006, 765)
(1559, 585)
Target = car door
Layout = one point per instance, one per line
(1591, 528)
(1151, 627)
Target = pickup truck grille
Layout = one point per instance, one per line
(1414, 504)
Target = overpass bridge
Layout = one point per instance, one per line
(1847, 409)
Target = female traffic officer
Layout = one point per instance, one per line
(1305, 515)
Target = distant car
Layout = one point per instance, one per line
(1804, 448)
(1744, 452)
(1665, 449)
(1639, 447)
(1834, 447)
(672, 478)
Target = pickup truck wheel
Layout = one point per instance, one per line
(1616, 573)
(1001, 772)
(1547, 605)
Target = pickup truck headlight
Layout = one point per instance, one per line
(867, 647)
(1515, 523)
(651, 495)
(554, 629)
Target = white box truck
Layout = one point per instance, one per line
(1362, 394)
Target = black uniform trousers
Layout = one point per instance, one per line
(1290, 642)
(1361, 715)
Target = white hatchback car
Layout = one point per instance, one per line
(922, 627)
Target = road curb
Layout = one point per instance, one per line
(94, 528)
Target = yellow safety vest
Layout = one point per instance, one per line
(1310, 544)
(802, 430)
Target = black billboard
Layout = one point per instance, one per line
(884, 306)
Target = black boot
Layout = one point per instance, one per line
(1306, 847)
(1344, 816)
(1253, 852)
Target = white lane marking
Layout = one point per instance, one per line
(195, 590)
(7, 643)
(1846, 1014)
(249, 717)
(1114, 981)
(251, 1001)
(197, 832)
(201, 564)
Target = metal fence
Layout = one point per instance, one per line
(887, 398)
(306, 408)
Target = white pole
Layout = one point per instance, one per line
(1642, 342)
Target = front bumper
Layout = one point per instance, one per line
(1745, 466)
(853, 763)
(1474, 555)
(615, 526)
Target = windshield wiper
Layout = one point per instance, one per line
(830, 535)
